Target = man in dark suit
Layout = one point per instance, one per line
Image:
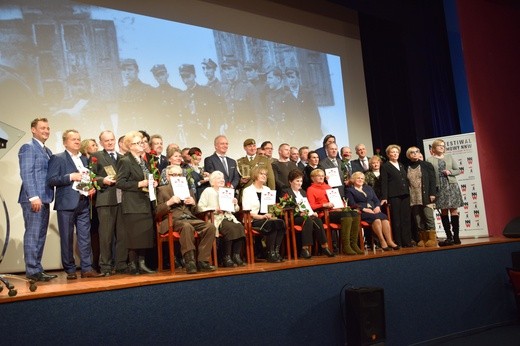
(34, 198)
(156, 144)
(186, 224)
(361, 163)
(73, 206)
(220, 162)
(104, 165)
(331, 161)
(322, 152)
(303, 152)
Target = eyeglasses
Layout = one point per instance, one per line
(138, 143)
(175, 174)
(415, 152)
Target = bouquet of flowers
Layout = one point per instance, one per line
(152, 166)
(88, 177)
(286, 202)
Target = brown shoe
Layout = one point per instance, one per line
(71, 276)
(91, 274)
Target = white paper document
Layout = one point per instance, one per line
(333, 178)
(180, 187)
(268, 198)
(225, 199)
(335, 198)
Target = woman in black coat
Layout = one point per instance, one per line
(395, 190)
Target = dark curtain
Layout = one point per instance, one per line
(410, 89)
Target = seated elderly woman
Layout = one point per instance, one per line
(227, 225)
(363, 197)
(272, 228)
(310, 224)
(349, 220)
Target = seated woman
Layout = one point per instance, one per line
(312, 223)
(349, 220)
(226, 223)
(363, 197)
(272, 228)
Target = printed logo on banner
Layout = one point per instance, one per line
(463, 149)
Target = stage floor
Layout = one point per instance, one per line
(62, 287)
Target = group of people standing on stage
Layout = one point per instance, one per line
(124, 192)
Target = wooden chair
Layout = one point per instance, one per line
(292, 229)
(251, 233)
(172, 236)
(245, 217)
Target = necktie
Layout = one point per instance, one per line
(224, 162)
(250, 158)
(365, 165)
(334, 162)
(47, 151)
(113, 156)
(349, 168)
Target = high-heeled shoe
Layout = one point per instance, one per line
(388, 248)
(326, 251)
(397, 247)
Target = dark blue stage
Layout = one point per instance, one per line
(428, 295)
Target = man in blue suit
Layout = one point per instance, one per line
(73, 206)
(220, 162)
(34, 198)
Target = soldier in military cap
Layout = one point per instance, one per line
(280, 107)
(243, 104)
(255, 78)
(305, 106)
(199, 108)
(251, 160)
(166, 96)
(210, 67)
(136, 98)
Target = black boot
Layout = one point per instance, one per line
(143, 269)
(132, 268)
(455, 228)
(238, 260)
(189, 262)
(446, 225)
(203, 266)
(272, 257)
(228, 262)
(277, 252)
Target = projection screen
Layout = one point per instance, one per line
(100, 65)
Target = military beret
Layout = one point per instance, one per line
(158, 68)
(128, 62)
(209, 63)
(249, 141)
(187, 68)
